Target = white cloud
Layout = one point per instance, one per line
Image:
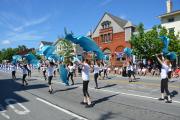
(30, 35)
(31, 23)
(17, 23)
(105, 2)
(6, 42)
(123, 16)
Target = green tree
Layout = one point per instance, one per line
(66, 49)
(6, 54)
(146, 44)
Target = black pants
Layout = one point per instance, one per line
(169, 74)
(70, 74)
(50, 79)
(164, 86)
(85, 88)
(95, 79)
(44, 74)
(24, 78)
(105, 73)
(14, 74)
(29, 73)
(100, 73)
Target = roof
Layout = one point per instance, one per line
(119, 21)
(129, 24)
(169, 14)
(46, 43)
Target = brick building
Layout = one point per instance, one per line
(112, 34)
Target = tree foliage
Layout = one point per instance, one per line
(6, 54)
(145, 44)
(66, 49)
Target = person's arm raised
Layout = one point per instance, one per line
(158, 59)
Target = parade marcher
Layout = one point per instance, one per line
(50, 71)
(105, 71)
(24, 72)
(129, 71)
(13, 69)
(70, 72)
(44, 67)
(29, 70)
(85, 78)
(96, 69)
(164, 79)
(170, 71)
(100, 71)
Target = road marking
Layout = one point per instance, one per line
(3, 112)
(122, 93)
(23, 112)
(135, 95)
(62, 109)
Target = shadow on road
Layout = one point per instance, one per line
(8, 89)
(174, 93)
(72, 88)
(108, 86)
(102, 99)
(107, 116)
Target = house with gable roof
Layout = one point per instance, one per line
(112, 35)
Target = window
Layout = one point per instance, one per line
(102, 38)
(171, 20)
(171, 30)
(105, 24)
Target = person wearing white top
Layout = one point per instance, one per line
(129, 70)
(96, 68)
(50, 72)
(70, 73)
(170, 71)
(24, 72)
(85, 78)
(105, 71)
(13, 69)
(43, 68)
(29, 70)
(164, 79)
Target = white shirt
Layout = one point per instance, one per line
(50, 71)
(164, 71)
(13, 68)
(71, 68)
(130, 67)
(43, 68)
(96, 69)
(24, 70)
(85, 72)
(105, 67)
(170, 68)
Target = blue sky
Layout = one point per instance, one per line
(30, 21)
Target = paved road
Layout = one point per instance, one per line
(116, 100)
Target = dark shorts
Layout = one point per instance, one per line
(129, 73)
(13, 73)
(50, 79)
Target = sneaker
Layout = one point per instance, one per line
(160, 99)
(169, 101)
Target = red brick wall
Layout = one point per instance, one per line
(118, 40)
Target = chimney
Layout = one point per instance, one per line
(169, 6)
